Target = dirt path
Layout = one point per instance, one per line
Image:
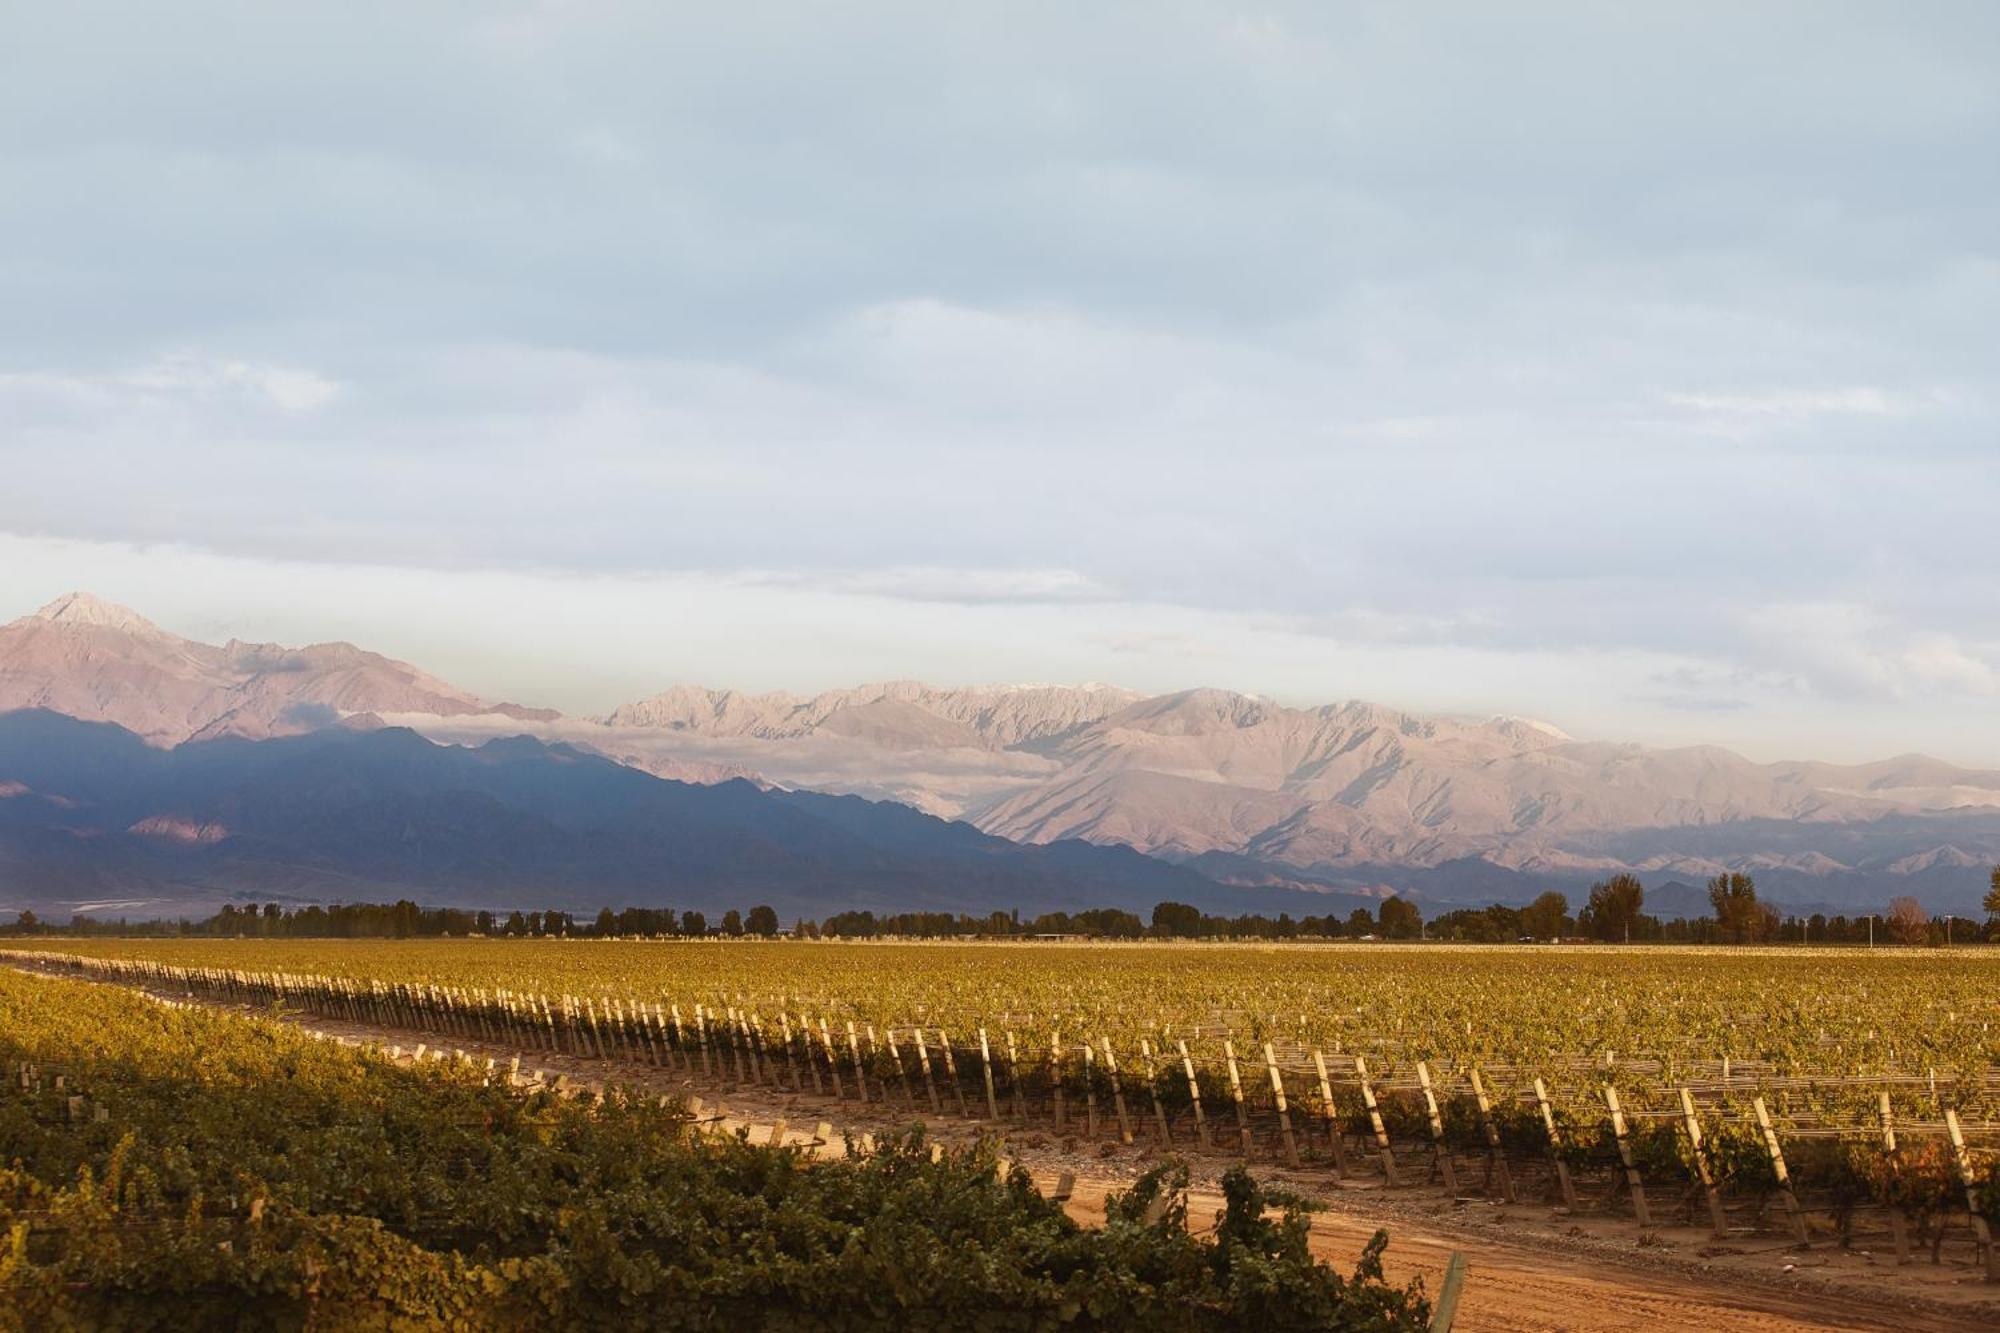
(1518, 1288)
(1530, 1267)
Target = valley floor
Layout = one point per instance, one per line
(1531, 1267)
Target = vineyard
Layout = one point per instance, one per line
(1833, 1095)
(172, 1166)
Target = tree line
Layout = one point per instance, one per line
(1613, 910)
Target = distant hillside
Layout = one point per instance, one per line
(92, 818)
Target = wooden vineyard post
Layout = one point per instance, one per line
(701, 1035)
(663, 1055)
(1117, 1091)
(638, 1040)
(1331, 1115)
(854, 1053)
(1555, 1145)
(986, 1067)
(621, 1037)
(735, 1041)
(832, 1064)
(1055, 1077)
(806, 1049)
(902, 1074)
(763, 1050)
(1982, 1230)
(1496, 1157)
(666, 1035)
(603, 1043)
(743, 1043)
(1638, 1188)
(767, 1072)
(1777, 1153)
(1194, 1095)
(1449, 1292)
(1153, 1090)
(951, 1073)
(1284, 1111)
(924, 1062)
(1236, 1096)
(785, 1034)
(739, 1040)
(1375, 1122)
(1899, 1225)
(1436, 1119)
(1014, 1078)
(1089, 1092)
(1717, 1219)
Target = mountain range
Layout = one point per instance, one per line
(1352, 798)
(94, 819)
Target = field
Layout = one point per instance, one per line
(1849, 1097)
(170, 1166)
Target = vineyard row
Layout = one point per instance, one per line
(1723, 1137)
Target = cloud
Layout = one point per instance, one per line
(181, 381)
(970, 586)
(1695, 703)
(1847, 650)
(1461, 342)
(1795, 406)
(192, 375)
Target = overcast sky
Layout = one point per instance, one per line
(1632, 367)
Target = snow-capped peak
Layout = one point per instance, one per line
(82, 608)
(1548, 729)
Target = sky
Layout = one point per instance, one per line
(1630, 367)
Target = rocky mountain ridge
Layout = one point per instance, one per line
(89, 658)
(1346, 795)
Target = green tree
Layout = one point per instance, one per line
(1992, 903)
(1361, 921)
(1733, 895)
(762, 921)
(693, 923)
(732, 922)
(1176, 920)
(1544, 917)
(607, 923)
(1400, 918)
(1614, 906)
